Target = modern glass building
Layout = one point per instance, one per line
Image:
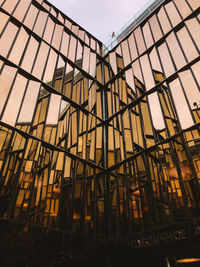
(99, 153)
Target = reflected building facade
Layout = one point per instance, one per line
(96, 147)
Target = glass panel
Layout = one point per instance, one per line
(14, 102)
(19, 46)
(176, 51)
(137, 71)
(194, 28)
(60, 18)
(181, 105)
(3, 18)
(129, 79)
(173, 13)
(187, 44)
(86, 58)
(6, 79)
(29, 103)
(196, 70)
(59, 73)
(156, 111)
(132, 46)
(21, 9)
(113, 62)
(166, 60)
(30, 53)
(99, 49)
(53, 111)
(40, 23)
(157, 34)
(125, 53)
(194, 4)
(164, 22)
(72, 48)
(183, 8)
(47, 7)
(31, 16)
(147, 35)
(155, 61)
(147, 73)
(57, 36)
(190, 87)
(79, 53)
(139, 40)
(75, 29)
(87, 40)
(81, 35)
(93, 44)
(50, 68)
(10, 5)
(92, 69)
(53, 12)
(68, 24)
(7, 38)
(41, 60)
(65, 44)
(49, 30)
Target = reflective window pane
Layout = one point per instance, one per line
(157, 34)
(173, 14)
(29, 103)
(147, 35)
(40, 23)
(175, 51)
(57, 36)
(19, 46)
(181, 105)
(9, 5)
(30, 53)
(166, 59)
(6, 79)
(3, 18)
(183, 8)
(49, 30)
(40, 60)
(194, 28)
(139, 40)
(13, 106)
(31, 16)
(54, 107)
(164, 22)
(21, 9)
(125, 53)
(7, 38)
(187, 44)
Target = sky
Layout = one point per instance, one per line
(100, 17)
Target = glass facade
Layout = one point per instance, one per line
(96, 146)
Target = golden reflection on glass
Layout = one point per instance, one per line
(90, 143)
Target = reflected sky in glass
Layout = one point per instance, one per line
(101, 18)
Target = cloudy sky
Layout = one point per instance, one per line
(100, 17)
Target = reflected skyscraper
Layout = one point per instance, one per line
(99, 152)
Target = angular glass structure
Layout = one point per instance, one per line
(98, 153)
